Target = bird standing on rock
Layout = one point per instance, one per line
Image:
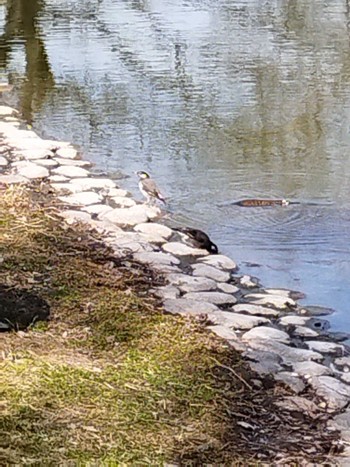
(199, 238)
(149, 188)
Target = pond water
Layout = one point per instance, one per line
(219, 100)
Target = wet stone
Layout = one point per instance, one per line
(315, 310)
(277, 301)
(264, 332)
(255, 310)
(237, 321)
(153, 228)
(190, 283)
(334, 392)
(326, 347)
(220, 262)
(308, 369)
(211, 272)
(157, 258)
(71, 171)
(85, 198)
(293, 382)
(180, 249)
(193, 307)
(218, 298)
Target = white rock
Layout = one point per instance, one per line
(122, 202)
(302, 331)
(32, 171)
(223, 332)
(180, 249)
(193, 307)
(255, 310)
(153, 228)
(308, 369)
(129, 217)
(335, 393)
(75, 162)
(66, 187)
(293, 320)
(3, 161)
(191, 284)
(71, 171)
(248, 282)
(35, 154)
(93, 183)
(116, 192)
(72, 216)
(97, 208)
(267, 333)
(5, 110)
(220, 262)
(218, 298)
(12, 179)
(278, 301)
(168, 291)
(227, 288)
(238, 321)
(58, 179)
(45, 162)
(326, 347)
(157, 258)
(288, 354)
(217, 275)
(295, 295)
(85, 198)
(67, 153)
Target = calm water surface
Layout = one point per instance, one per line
(219, 100)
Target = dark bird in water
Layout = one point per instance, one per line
(149, 188)
(199, 238)
(251, 203)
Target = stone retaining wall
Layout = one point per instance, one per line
(275, 334)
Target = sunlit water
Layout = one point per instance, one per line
(219, 100)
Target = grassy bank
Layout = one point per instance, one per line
(110, 378)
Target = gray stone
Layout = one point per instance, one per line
(299, 404)
(154, 229)
(133, 246)
(166, 269)
(190, 283)
(342, 363)
(71, 171)
(302, 331)
(49, 163)
(237, 321)
(227, 288)
(220, 262)
(129, 217)
(3, 161)
(66, 187)
(193, 307)
(72, 216)
(168, 291)
(32, 171)
(133, 241)
(277, 301)
(92, 183)
(291, 381)
(309, 369)
(97, 208)
(218, 298)
(223, 332)
(122, 202)
(76, 162)
(317, 324)
(341, 422)
(211, 272)
(66, 152)
(85, 198)
(315, 310)
(180, 249)
(156, 258)
(336, 336)
(252, 309)
(334, 392)
(57, 179)
(268, 333)
(288, 354)
(326, 347)
(264, 363)
(12, 179)
(111, 192)
(294, 294)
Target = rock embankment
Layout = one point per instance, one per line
(276, 334)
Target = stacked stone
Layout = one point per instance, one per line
(274, 332)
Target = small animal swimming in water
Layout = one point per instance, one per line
(252, 203)
(149, 188)
(199, 239)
